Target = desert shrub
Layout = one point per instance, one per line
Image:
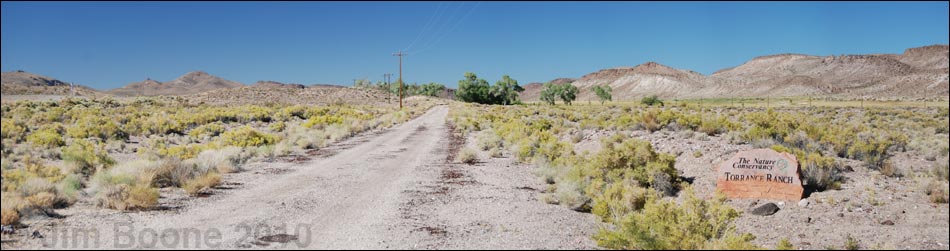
(125, 197)
(818, 171)
(207, 130)
(496, 153)
(651, 101)
(871, 148)
(86, 157)
(618, 200)
(784, 244)
(942, 172)
(278, 126)
(467, 156)
(47, 137)
(624, 158)
(488, 140)
(570, 193)
(32, 168)
(930, 148)
(247, 137)
(225, 160)
(95, 126)
(124, 192)
(321, 121)
(9, 217)
(666, 225)
(851, 243)
(200, 184)
(185, 151)
(169, 173)
(9, 129)
(937, 192)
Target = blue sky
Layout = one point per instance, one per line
(109, 44)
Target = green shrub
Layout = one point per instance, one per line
(278, 126)
(620, 199)
(323, 120)
(625, 158)
(818, 171)
(32, 168)
(666, 225)
(651, 101)
(91, 126)
(247, 137)
(209, 130)
(12, 130)
(47, 137)
(784, 244)
(85, 157)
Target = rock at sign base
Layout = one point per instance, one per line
(765, 210)
(760, 174)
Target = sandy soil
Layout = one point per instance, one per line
(861, 209)
(390, 189)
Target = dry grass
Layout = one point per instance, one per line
(201, 184)
(128, 198)
(9, 217)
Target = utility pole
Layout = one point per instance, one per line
(400, 54)
(389, 89)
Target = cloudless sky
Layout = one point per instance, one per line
(109, 44)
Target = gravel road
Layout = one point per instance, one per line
(392, 189)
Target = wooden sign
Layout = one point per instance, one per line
(760, 174)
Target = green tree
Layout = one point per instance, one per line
(431, 89)
(603, 93)
(474, 90)
(505, 91)
(550, 92)
(568, 93)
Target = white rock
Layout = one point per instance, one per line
(780, 204)
(803, 203)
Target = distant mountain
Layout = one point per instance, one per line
(25, 83)
(275, 84)
(191, 83)
(918, 73)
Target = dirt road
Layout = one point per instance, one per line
(393, 189)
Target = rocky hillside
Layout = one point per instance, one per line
(918, 73)
(266, 94)
(191, 83)
(25, 83)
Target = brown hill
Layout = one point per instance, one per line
(191, 83)
(918, 73)
(25, 83)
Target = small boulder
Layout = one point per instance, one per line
(887, 223)
(765, 210)
(37, 235)
(803, 203)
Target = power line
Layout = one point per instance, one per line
(443, 24)
(435, 15)
(470, 11)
